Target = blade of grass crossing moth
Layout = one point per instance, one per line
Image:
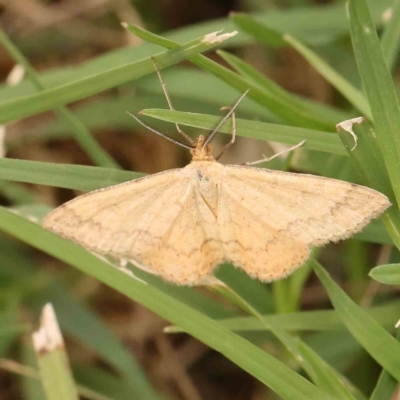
(52, 359)
(315, 140)
(280, 378)
(319, 371)
(366, 155)
(299, 114)
(81, 134)
(386, 385)
(350, 92)
(379, 87)
(390, 40)
(64, 94)
(388, 274)
(373, 337)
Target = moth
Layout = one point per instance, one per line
(182, 223)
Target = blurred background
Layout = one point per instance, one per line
(64, 36)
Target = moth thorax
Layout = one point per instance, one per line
(201, 153)
(208, 188)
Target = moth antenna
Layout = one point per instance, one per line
(171, 107)
(232, 110)
(160, 133)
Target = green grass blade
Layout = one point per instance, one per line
(299, 113)
(350, 92)
(389, 274)
(315, 140)
(32, 388)
(379, 87)
(258, 363)
(81, 134)
(64, 94)
(63, 175)
(325, 376)
(386, 385)
(320, 372)
(55, 372)
(324, 320)
(390, 40)
(372, 336)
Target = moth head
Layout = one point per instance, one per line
(201, 152)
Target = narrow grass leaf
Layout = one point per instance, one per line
(315, 140)
(372, 336)
(327, 377)
(390, 40)
(350, 92)
(386, 386)
(258, 363)
(324, 320)
(32, 388)
(389, 274)
(319, 371)
(64, 94)
(63, 175)
(379, 87)
(52, 359)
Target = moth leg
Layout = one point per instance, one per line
(266, 159)
(164, 87)
(233, 133)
